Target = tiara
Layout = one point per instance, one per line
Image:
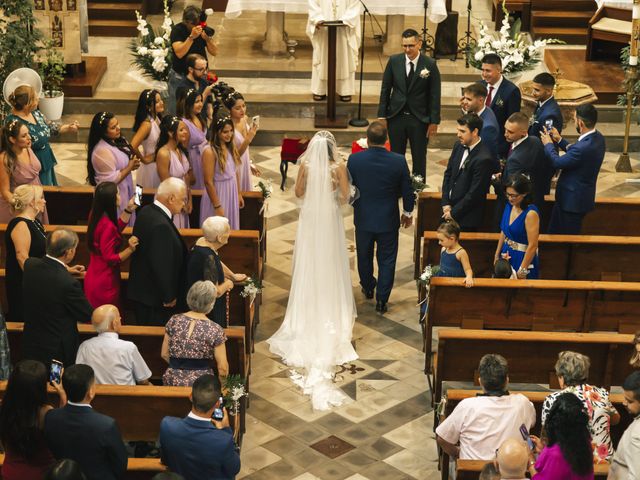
(103, 115)
(148, 94)
(12, 124)
(220, 121)
(231, 95)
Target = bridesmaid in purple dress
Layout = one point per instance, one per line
(110, 158)
(221, 177)
(146, 127)
(19, 166)
(244, 133)
(172, 160)
(190, 111)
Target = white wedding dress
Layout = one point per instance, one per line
(315, 335)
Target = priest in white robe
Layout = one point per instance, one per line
(347, 45)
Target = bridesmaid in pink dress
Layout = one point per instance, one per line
(172, 160)
(20, 166)
(110, 159)
(190, 111)
(146, 127)
(222, 180)
(243, 135)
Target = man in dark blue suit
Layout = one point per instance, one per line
(576, 187)
(547, 112)
(503, 96)
(381, 177)
(199, 447)
(473, 101)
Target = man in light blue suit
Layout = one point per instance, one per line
(382, 178)
(576, 187)
(547, 111)
(473, 101)
(197, 446)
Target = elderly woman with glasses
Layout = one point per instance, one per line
(572, 370)
(520, 227)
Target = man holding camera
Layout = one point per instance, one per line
(189, 36)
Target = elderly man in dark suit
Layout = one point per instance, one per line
(468, 175)
(503, 96)
(547, 111)
(157, 273)
(381, 177)
(576, 188)
(410, 100)
(53, 302)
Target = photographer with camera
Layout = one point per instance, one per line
(197, 78)
(192, 35)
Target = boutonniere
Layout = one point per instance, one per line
(499, 102)
(424, 73)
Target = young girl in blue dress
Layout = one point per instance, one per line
(454, 260)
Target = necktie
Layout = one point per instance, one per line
(510, 150)
(411, 71)
(489, 97)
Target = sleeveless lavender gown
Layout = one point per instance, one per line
(227, 188)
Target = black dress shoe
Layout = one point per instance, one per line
(381, 306)
(367, 293)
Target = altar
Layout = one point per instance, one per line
(275, 36)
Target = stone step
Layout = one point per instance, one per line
(113, 11)
(113, 28)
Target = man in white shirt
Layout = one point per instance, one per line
(114, 361)
(512, 459)
(626, 461)
(481, 424)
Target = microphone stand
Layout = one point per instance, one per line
(359, 121)
(427, 39)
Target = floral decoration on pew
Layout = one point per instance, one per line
(418, 184)
(252, 288)
(266, 188)
(151, 53)
(235, 390)
(424, 281)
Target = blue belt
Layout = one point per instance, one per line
(189, 363)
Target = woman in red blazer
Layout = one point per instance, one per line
(104, 236)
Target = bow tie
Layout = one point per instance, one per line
(466, 148)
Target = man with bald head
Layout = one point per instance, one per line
(53, 302)
(114, 361)
(513, 459)
(157, 273)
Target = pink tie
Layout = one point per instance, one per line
(489, 97)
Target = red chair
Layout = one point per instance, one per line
(291, 150)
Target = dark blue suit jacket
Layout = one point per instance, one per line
(490, 133)
(381, 178)
(529, 158)
(88, 437)
(576, 188)
(197, 450)
(505, 101)
(549, 111)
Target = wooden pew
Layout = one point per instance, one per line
(470, 469)
(71, 206)
(562, 257)
(531, 355)
(539, 305)
(611, 215)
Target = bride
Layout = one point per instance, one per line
(315, 335)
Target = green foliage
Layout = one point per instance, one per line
(622, 99)
(52, 69)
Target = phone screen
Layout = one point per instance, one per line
(218, 413)
(55, 374)
(525, 435)
(137, 198)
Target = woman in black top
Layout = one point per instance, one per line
(25, 237)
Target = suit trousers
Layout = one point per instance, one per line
(386, 246)
(152, 316)
(405, 127)
(565, 223)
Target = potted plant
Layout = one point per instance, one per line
(52, 69)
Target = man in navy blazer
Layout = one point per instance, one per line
(503, 96)
(576, 187)
(78, 432)
(198, 447)
(381, 178)
(473, 101)
(547, 111)
(467, 178)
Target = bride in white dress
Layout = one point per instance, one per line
(315, 335)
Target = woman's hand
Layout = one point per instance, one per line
(131, 206)
(538, 444)
(134, 163)
(468, 281)
(522, 273)
(219, 211)
(240, 201)
(251, 132)
(255, 171)
(227, 285)
(238, 277)
(70, 127)
(133, 242)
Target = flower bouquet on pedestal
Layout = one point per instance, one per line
(152, 53)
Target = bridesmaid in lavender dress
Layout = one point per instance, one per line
(172, 160)
(110, 158)
(190, 111)
(222, 180)
(244, 133)
(18, 166)
(147, 130)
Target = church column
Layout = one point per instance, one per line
(395, 27)
(274, 43)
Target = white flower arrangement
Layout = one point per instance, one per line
(151, 53)
(208, 11)
(235, 387)
(417, 183)
(424, 73)
(429, 271)
(362, 143)
(266, 188)
(516, 51)
(251, 288)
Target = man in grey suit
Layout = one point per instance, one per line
(410, 100)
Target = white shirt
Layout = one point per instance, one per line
(408, 61)
(466, 153)
(581, 137)
(482, 424)
(114, 361)
(57, 260)
(518, 142)
(626, 461)
(484, 107)
(79, 404)
(196, 417)
(540, 104)
(163, 208)
(495, 86)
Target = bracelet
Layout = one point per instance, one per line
(128, 211)
(217, 206)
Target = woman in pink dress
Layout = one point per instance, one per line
(110, 158)
(190, 111)
(104, 236)
(172, 160)
(19, 166)
(220, 166)
(146, 127)
(244, 133)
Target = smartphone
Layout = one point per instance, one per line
(548, 124)
(256, 121)
(218, 413)
(55, 374)
(137, 197)
(525, 435)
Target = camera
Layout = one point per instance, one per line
(203, 23)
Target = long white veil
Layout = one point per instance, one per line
(315, 335)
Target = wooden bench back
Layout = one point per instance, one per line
(470, 469)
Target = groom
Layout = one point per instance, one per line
(381, 178)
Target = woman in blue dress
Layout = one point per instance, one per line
(24, 103)
(520, 227)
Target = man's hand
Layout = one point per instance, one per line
(545, 137)
(432, 130)
(405, 221)
(555, 135)
(195, 32)
(224, 423)
(76, 269)
(171, 304)
(447, 215)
